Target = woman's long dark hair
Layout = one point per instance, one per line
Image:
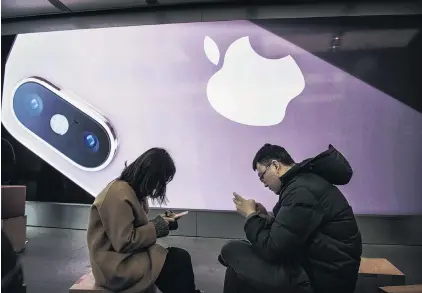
(149, 174)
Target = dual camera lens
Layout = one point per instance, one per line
(35, 106)
(91, 141)
(81, 135)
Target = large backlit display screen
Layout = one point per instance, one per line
(212, 94)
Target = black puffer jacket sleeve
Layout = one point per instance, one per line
(299, 215)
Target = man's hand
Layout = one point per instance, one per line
(260, 209)
(244, 207)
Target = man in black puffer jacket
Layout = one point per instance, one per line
(311, 243)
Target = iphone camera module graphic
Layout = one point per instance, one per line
(72, 129)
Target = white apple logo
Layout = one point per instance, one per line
(250, 89)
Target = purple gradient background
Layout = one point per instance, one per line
(381, 137)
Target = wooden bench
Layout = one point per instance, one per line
(87, 284)
(402, 289)
(378, 266)
(377, 272)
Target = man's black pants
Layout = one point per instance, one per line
(247, 272)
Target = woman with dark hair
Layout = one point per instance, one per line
(122, 244)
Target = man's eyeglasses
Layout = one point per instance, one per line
(261, 176)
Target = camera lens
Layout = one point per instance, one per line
(91, 141)
(34, 104)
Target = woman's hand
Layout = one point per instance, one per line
(171, 219)
(161, 224)
(168, 216)
(168, 219)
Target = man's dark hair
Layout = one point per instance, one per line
(271, 152)
(149, 174)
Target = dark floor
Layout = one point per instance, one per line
(55, 258)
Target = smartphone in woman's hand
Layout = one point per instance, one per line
(170, 214)
(178, 216)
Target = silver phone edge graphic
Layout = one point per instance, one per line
(99, 118)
